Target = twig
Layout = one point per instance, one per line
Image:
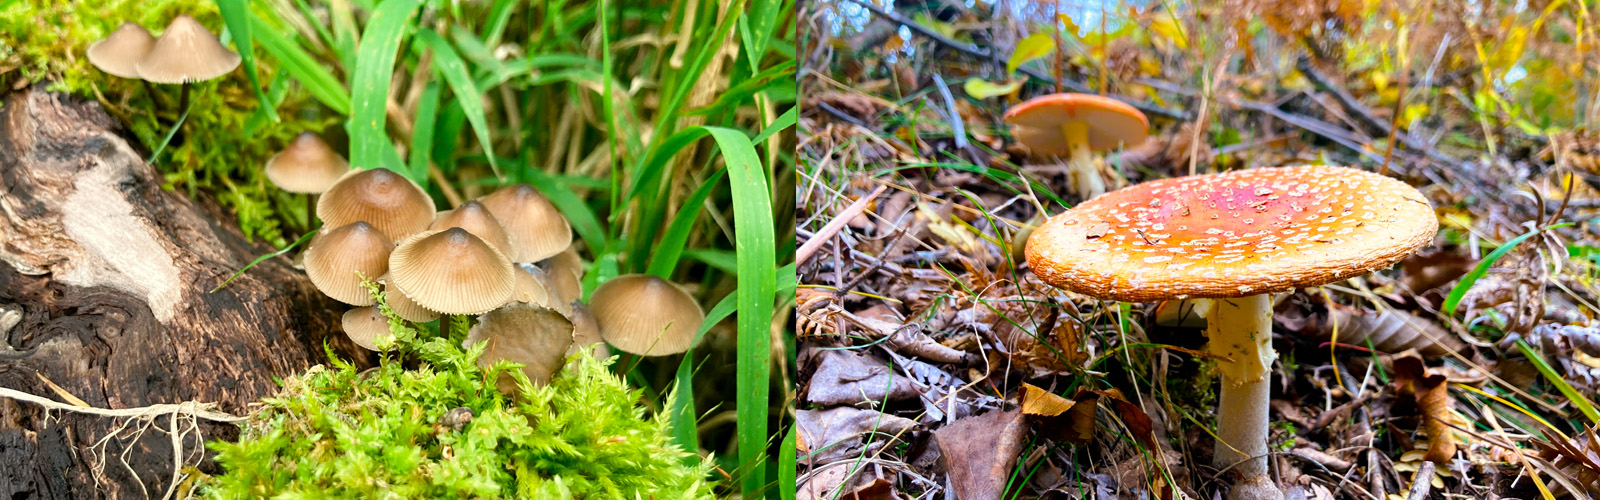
(833, 226)
(986, 55)
(191, 408)
(1421, 482)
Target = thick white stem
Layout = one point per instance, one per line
(1081, 161)
(1241, 330)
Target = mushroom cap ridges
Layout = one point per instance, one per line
(337, 254)
(307, 165)
(476, 219)
(119, 52)
(364, 325)
(536, 228)
(1234, 234)
(452, 272)
(646, 315)
(1037, 122)
(534, 336)
(387, 200)
(187, 52)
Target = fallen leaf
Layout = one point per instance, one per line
(844, 431)
(979, 88)
(857, 379)
(1035, 46)
(979, 452)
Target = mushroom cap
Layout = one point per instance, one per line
(537, 337)
(452, 272)
(1037, 122)
(387, 200)
(119, 52)
(531, 289)
(566, 261)
(186, 52)
(364, 325)
(1234, 234)
(337, 254)
(585, 334)
(536, 228)
(477, 220)
(646, 315)
(404, 307)
(561, 285)
(307, 165)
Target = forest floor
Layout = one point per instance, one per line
(933, 361)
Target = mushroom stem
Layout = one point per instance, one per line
(1081, 161)
(311, 212)
(1241, 330)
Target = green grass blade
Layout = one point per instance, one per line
(375, 59)
(665, 259)
(757, 282)
(295, 61)
(422, 134)
(760, 23)
(741, 94)
(722, 260)
(263, 258)
(787, 481)
(236, 14)
(454, 70)
(1572, 394)
(684, 430)
(1454, 299)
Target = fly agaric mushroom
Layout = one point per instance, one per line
(534, 336)
(339, 257)
(472, 217)
(1235, 237)
(646, 315)
(186, 52)
(364, 325)
(119, 52)
(306, 166)
(1076, 125)
(536, 228)
(452, 272)
(387, 200)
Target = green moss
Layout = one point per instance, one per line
(222, 149)
(336, 432)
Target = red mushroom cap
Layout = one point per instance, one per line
(1037, 122)
(1234, 234)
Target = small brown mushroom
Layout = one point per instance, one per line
(119, 52)
(646, 315)
(339, 257)
(306, 166)
(186, 52)
(364, 326)
(452, 272)
(477, 220)
(387, 200)
(537, 337)
(536, 228)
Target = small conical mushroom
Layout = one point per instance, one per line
(452, 272)
(536, 228)
(531, 290)
(391, 202)
(562, 285)
(186, 52)
(365, 325)
(646, 315)
(306, 166)
(566, 261)
(585, 334)
(403, 306)
(477, 220)
(118, 53)
(537, 337)
(338, 254)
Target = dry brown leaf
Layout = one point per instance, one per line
(1060, 418)
(1428, 394)
(979, 452)
(1389, 330)
(851, 378)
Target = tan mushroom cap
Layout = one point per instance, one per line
(307, 165)
(1234, 234)
(567, 261)
(121, 51)
(536, 228)
(404, 306)
(187, 52)
(563, 286)
(585, 333)
(364, 325)
(537, 337)
(1037, 122)
(387, 200)
(646, 315)
(452, 272)
(531, 290)
(477, 220)
(336, 256)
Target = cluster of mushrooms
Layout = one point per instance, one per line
(186, 52)
(506, 258)
(1234, 238)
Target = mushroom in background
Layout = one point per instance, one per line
(646, 315)
(306, 166)
(537, 229)
(118, 53)
(387, 200)
(1235, 237)
(364, 326)
(1076, 125)
(186, 52)
(537, 337)
(472, 217)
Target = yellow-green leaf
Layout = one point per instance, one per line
(1168, 28)
(1033, 47)
(1066, 23)
(981, 89)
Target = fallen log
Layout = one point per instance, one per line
(105, 283)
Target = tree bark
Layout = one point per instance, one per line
(105, 283)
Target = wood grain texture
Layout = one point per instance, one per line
(110, 275)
